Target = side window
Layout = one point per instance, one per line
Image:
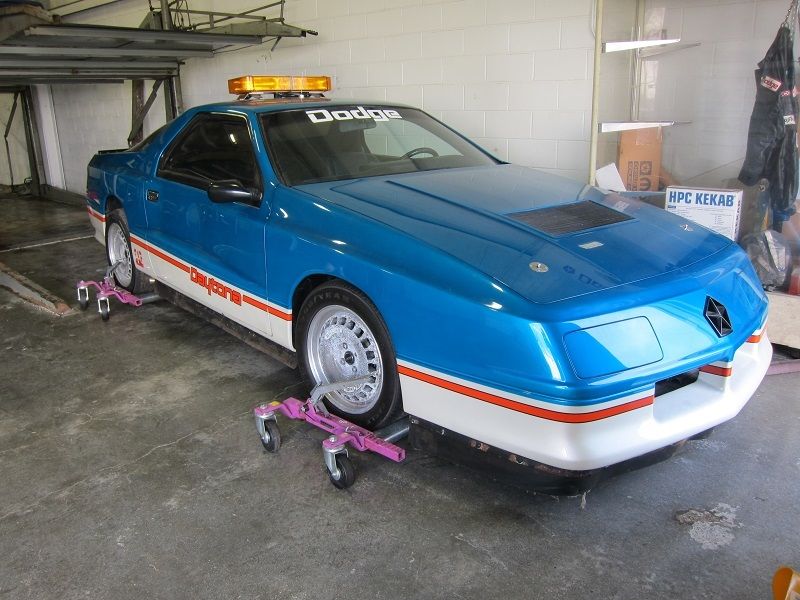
(213, 148)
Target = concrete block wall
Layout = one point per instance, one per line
(514, 75)
(710, 86)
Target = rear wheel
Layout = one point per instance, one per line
(118, 250)
(341, 337)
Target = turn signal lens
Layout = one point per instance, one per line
(279, 83)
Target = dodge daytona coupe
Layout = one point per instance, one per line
(555, 321)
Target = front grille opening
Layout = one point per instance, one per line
(665, 386)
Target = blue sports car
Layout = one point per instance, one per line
(554, 322)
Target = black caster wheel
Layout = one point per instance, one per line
(83, 301)
(347, 472)
(104, 311)
(272, 436)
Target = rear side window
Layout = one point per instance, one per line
(212, 149)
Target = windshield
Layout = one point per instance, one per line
(348, 142)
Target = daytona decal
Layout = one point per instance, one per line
(212, 285)
(322, 115)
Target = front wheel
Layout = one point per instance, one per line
(341, 337)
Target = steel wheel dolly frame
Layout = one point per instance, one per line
(343, 433)
(107, 289)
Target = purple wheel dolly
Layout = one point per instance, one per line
(108, 289)
(342, 432)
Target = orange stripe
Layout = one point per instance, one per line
(160, 254)
(552, 415)
(721, 371)
(279, 313)
(96, 215)
(246, 299)
(266, 308)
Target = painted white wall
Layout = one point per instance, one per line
(17, 146)
(514, 75)
(711, 85)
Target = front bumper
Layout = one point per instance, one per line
(578, 443)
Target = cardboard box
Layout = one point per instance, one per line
(640, 159)
(719, 210)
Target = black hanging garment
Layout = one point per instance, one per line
(771, 139)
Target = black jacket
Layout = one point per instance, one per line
(771, 139)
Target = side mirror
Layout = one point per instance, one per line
(232, 191)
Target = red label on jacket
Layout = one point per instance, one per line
(770, 83)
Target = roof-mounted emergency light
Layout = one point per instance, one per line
(280, 85)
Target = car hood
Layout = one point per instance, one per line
(501, 219)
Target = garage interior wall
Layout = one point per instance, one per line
(710, 85)
(514, 75)
(17, 145)
(707, 89)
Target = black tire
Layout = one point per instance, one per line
(389, 404)
(139, 281)
(347, 473)
(83, 304)
(104, 311)
(274, 433)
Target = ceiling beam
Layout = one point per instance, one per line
(139, 35)
(10, 63)
(173, 52)
(114, 74)
(55, 81)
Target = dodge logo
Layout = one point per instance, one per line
(717, 316)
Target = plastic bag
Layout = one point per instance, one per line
(771, 256)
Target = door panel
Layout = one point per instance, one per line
(212, 252)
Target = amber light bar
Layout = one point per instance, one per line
(279, 83)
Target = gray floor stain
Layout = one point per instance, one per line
(712, 528)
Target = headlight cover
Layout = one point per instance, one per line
(613, 347)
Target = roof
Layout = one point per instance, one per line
(260, 105)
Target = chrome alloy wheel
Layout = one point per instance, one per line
(339, 347)
(119, 251)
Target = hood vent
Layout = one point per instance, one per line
(570, 218)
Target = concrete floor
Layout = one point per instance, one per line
(130, 468)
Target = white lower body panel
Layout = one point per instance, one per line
(255, 313)
(584, 438)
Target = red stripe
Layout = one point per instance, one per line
(714, 370)
(160, 254)
(552, 415)
(96, 215)
(266, 308)
(756, 337)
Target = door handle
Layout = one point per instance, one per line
(152, 195)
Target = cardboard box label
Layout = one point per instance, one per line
(640, 159)
(717, 210)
